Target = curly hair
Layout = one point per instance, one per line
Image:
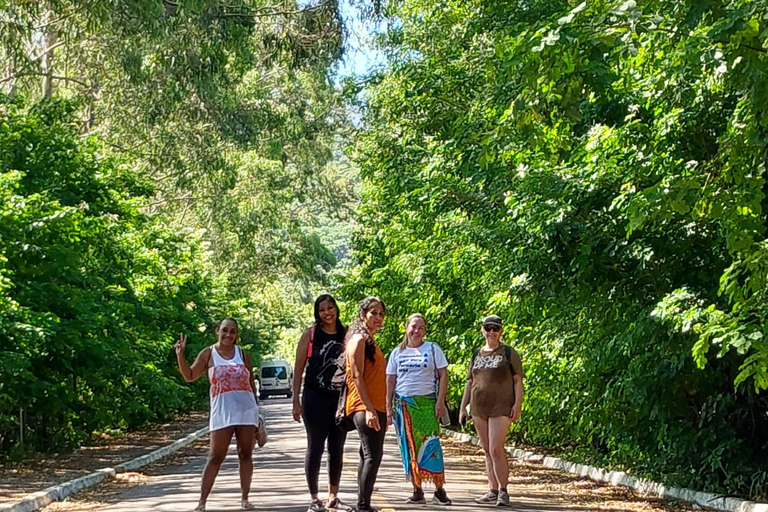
(367, 303)
(358, 326)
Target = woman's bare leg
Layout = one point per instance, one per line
(481, 426)
(498, 428)
(245, 435)
(220, 440)
(333, 491)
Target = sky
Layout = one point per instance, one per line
(360, 57)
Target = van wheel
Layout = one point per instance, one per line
(290, 394)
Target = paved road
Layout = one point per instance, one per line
(279, 484)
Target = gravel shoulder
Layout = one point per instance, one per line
(111, 492)
(530, 481)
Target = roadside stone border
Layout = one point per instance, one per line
(38, 500)
(641, 485)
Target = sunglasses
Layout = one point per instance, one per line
(492, 328)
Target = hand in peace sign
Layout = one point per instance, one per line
(181, 344)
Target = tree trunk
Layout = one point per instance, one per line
(46, 61)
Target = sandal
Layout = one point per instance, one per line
(199, 508)
(337, 504)
(247, 505)
(316, 506)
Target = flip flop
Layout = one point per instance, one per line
(247, 505)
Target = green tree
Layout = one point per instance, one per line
(595, 173)
(226, 107)
(163, 165)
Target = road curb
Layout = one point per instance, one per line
(38, 500)
(641, 485)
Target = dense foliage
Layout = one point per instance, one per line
(94, 293)
(595, 173)
(163, 164)
(227, 107)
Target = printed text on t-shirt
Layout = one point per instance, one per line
(485, 362)
(412, 361)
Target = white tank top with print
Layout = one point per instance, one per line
(232, 398)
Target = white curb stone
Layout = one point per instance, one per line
(641, 485)
(38, 500)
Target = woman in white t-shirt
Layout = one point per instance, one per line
(417, 381)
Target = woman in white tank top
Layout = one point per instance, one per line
(233, 404)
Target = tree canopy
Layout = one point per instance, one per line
(595, 173)
(163, 165)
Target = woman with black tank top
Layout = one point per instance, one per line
(321, 350)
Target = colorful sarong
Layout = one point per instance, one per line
(417, 431)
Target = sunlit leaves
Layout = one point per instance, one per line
(613, 154)
(92, 292)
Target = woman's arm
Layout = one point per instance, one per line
(442, 391)
(465, 402)
(356, 355)
(302, 354)
(194, 372)
(467, 394)
(249, 364)
(391, 383)
(517, 409)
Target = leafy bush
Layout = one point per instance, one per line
(92, 292)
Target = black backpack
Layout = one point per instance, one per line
(343, 420)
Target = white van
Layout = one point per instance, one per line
(275, 378)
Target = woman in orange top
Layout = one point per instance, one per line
(367, 394)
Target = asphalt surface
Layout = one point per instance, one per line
(279, 483)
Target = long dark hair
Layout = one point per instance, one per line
(318, 323)
(358, 326)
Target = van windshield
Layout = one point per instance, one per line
(269, 372)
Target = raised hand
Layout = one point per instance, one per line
(181, 344)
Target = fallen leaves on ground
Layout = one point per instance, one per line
(110, 492)
(533, 480)
(20, 479)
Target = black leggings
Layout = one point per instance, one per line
(371, 453)
(319, 414)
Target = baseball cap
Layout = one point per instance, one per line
(492, 320)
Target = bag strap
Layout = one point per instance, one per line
(508, 353)
(434, 364)
(311, 340)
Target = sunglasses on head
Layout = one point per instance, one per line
(492, 328)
